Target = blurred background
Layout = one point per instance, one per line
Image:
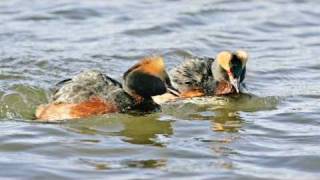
(271, 132)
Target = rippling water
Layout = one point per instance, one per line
(271, 132)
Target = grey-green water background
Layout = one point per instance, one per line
(274, 133)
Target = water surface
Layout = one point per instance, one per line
(271, 132)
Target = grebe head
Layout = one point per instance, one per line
(148, 78)
(231, 66)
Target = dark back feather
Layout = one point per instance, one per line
(83, 86)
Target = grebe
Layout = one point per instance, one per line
(93, 93)
(205, 76)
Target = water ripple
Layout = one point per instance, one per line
(270, 132)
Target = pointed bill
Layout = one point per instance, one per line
(173, 90)
(235, 83)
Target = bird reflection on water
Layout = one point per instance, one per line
(132, 129)
(223, 111)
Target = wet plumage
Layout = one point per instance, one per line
(194, 74)
(88, 93)
(83, 86)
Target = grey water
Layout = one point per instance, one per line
(270, 132)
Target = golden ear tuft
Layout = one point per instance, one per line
(158, 60)
(153, 61)
(224, 59)
(153, 65)
(243, 56)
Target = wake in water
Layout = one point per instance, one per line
(238, 102)
(21, 101)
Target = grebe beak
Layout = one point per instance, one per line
(173, 90)
(234, 81)
(169, 86)
(236, 84)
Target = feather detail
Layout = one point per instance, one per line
(94, 106)
(84, 86)
(194, 73)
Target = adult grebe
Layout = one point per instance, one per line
(93, 93)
